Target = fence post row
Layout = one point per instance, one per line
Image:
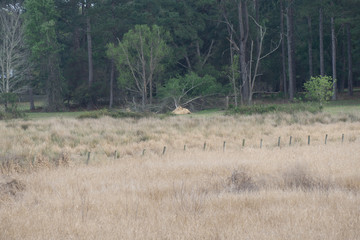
(224, 146)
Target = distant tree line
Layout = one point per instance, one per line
(160, 52)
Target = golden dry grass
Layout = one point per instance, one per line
(297, 192)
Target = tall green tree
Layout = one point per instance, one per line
(138, 57)
(41, 35)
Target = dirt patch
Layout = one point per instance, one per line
(10, 187)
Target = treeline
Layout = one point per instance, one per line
(151, 53)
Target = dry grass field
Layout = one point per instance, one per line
(47, 191)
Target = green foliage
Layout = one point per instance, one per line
(40, 19)
(40, 27)
(10, 105)
(83, 94)
(114, 114)
(59, 27)
(184, 89)
(319, 89)
(274, 108)
(139, 56)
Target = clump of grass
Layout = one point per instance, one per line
(299, 178)
(241, 181)
(10, 187)
(275, 108)
(10, 163)
(189, 201)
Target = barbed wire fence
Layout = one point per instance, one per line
(279, 143)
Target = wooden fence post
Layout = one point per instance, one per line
(326, 137)
(88, 158)
(279, 141)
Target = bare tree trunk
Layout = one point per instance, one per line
(31, 95)
(144, 90)
(244, 31)
(289, 22)
(112, 71)
(150, 89)
(321, 42)
(310, 47)
(349, 50)
(90, 59)
(283, 83)
(233, 80)
(333, 47)
(343, 70)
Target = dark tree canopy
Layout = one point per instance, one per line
(68, 44)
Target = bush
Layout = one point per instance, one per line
(9, 100)
(114, 114)
(319, 89)
(274, 108)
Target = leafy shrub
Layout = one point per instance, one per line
(184, 89)
(319, 89)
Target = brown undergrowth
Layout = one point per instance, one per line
(286, 192)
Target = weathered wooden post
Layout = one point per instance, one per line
(326, 137)
(279, 141)
(88, 158)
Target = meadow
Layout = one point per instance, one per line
(128, 189)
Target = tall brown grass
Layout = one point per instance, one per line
(292, 192)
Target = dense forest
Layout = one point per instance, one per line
(158, 54)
